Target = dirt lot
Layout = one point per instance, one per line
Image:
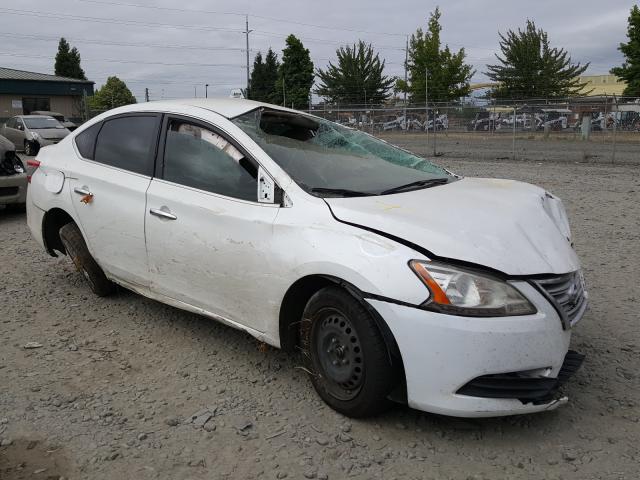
(111, 391)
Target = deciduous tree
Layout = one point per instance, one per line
(114, 93)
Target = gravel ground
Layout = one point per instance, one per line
(559, 147)
(125, 387)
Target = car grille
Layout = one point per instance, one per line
(7, 191)
(568, 295)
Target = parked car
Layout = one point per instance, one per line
(394, 277)
(13, 177)
(68, 124)
(31, 132)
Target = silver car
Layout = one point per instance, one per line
(66, 123)
(30, 132)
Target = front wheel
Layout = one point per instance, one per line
(30, 148)
(346, 355)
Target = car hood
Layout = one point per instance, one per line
(51, 133)
(509, 226)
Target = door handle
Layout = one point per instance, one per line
(158, 212)
(82, 190)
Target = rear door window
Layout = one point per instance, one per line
(86, 141)
(128, 143)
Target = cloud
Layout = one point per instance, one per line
(150, 47)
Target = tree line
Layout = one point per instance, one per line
(528, 66)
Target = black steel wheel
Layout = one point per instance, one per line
(346, 355)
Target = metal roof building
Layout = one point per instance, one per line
(22, 92)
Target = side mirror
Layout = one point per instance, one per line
(20, 127)
(266, 187)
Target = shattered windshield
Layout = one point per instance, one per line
(328, 159)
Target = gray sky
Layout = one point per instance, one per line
(172, 51)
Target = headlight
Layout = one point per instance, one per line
(462, 292)
(35, 135)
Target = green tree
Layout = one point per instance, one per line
(530, 68)
(630, 69)
(68, 61)
(256, 83)
(357, 78)
(449, 75)
(264, 77)
(114, 93)
(295, 75)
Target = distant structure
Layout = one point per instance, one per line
(601, 85)
(22, 92)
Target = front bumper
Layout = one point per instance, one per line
(444, 353)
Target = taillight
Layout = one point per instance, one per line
(32, 163)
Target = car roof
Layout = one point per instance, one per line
(227, 107)
(34, 116)
(47, 113)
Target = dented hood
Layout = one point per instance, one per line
(513, 227)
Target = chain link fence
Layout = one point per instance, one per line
(593, 129)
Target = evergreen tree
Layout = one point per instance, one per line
(271, 66)
(68, 61)
(356, 79)
(295, 75)
(256, 84)
(449, 75)
(114, 93)
(630, 69)
(264, 77)
(530, 68)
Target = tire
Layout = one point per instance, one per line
(346, 355)
(31, 148)
(77, 250)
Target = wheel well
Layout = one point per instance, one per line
(53, 220)
(297, 297)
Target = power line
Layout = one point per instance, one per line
(273, 19)
(137, 62)
(60, 16)
(120, 44)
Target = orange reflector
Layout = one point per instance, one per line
(438, 294)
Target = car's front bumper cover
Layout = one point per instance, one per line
(443, 353)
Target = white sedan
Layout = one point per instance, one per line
(395, 279)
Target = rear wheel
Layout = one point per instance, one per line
(346, 355)
(77, 250)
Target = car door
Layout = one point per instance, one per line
(108, 191)
(207, 235)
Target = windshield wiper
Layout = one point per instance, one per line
(342, 191)
(430, 182)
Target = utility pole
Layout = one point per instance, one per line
(206, 90)
(195, 91)
(406, 61)
(426, 103)
(146, 94)
(247, 32)
(284, 93)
